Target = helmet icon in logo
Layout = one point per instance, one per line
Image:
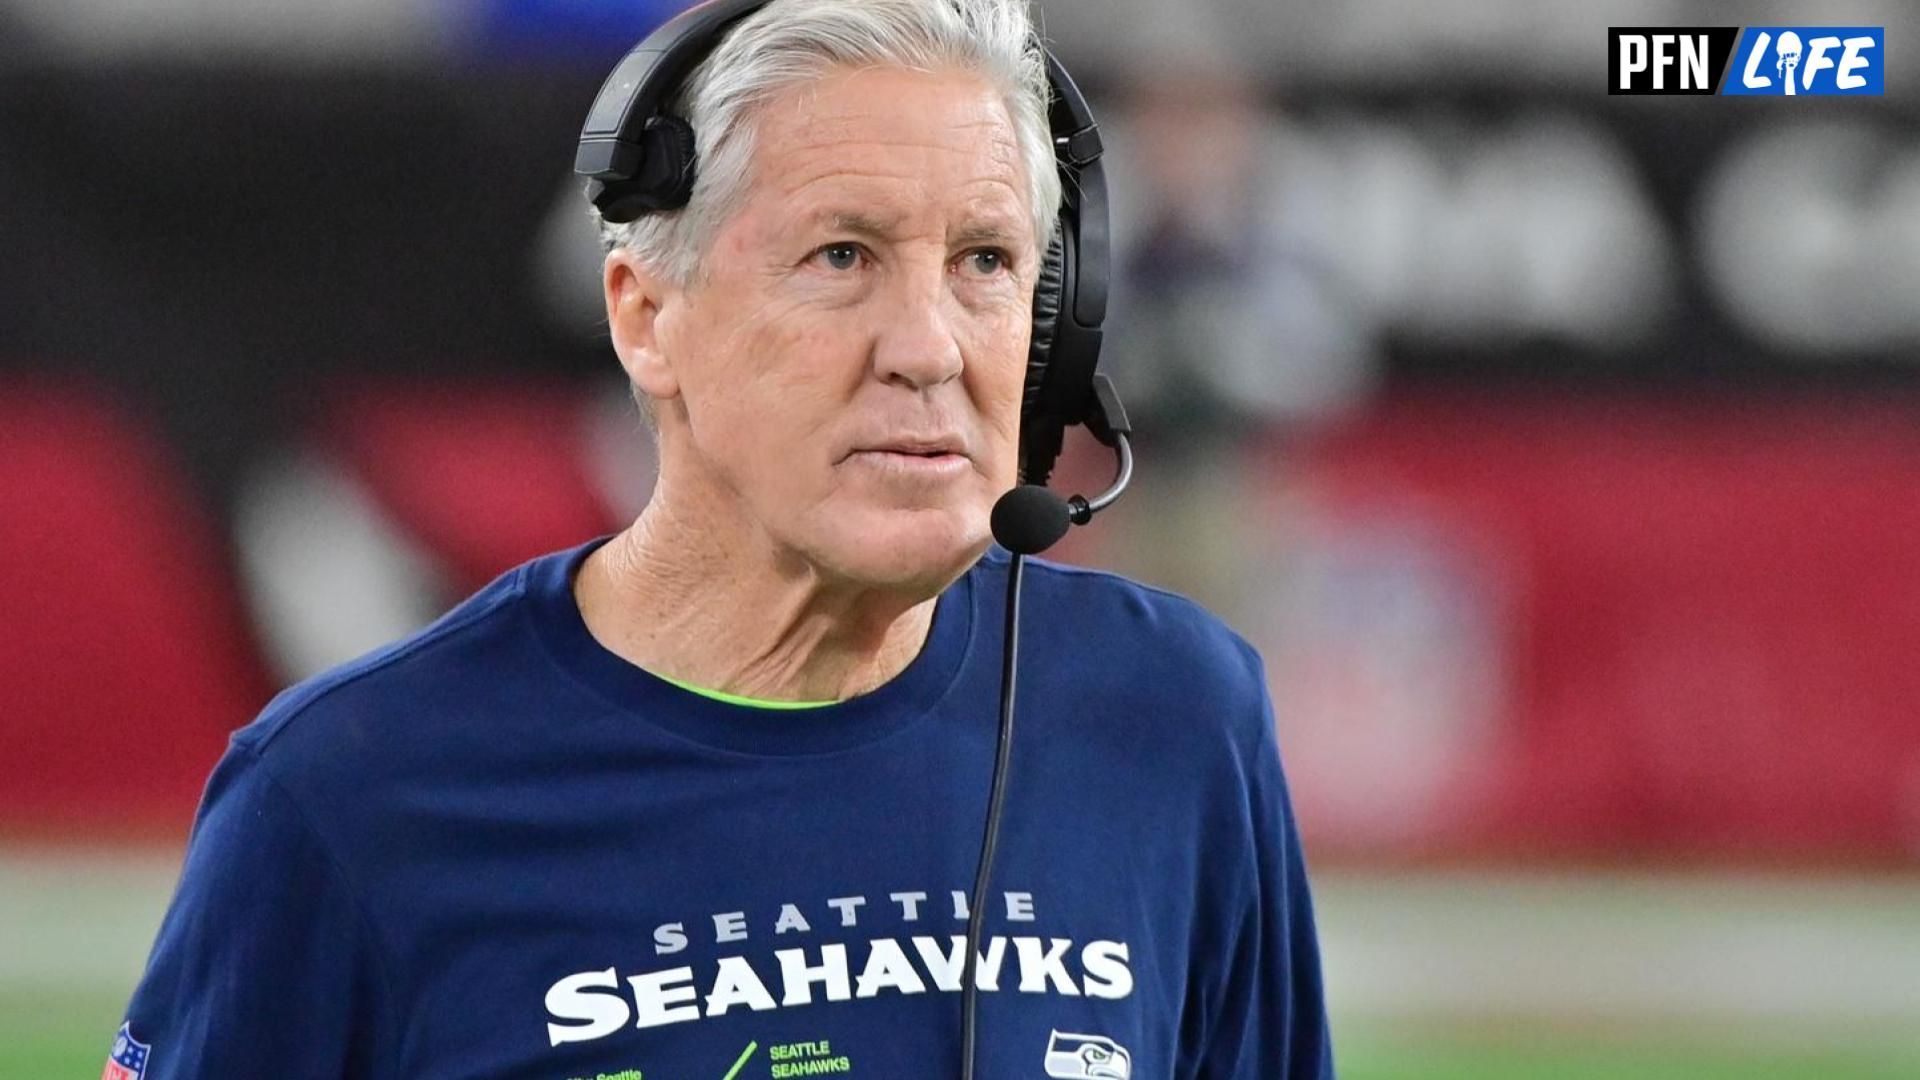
(1094, 1057)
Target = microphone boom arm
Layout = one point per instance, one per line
(1107, 420)
(1080, 509)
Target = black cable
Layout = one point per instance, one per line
(977, 908)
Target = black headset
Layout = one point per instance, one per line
(639, 159)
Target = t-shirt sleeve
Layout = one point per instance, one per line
(1270, 1019)
(264, 964)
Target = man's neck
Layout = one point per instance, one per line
(736, 616)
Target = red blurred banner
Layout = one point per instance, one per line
(1599, 627)
(124, 659)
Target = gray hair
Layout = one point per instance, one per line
(788, 42)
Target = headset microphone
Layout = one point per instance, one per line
(1031, 518)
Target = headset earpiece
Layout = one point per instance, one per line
(663, 179)
(1037, 431)
(1046, 316)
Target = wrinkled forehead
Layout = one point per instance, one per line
(880, 151)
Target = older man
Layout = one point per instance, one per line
(704, 799)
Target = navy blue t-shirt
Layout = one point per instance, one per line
(496, 849)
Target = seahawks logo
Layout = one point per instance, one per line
(1087, 1056)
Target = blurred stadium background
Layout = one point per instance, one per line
(1561, 451)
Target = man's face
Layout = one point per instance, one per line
(845, 375)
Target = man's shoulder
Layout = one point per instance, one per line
(1135, 614)
(393, 679)
(1151, 640)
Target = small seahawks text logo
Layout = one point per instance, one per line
(1090, 1056)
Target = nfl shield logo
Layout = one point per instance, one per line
(129, 1058)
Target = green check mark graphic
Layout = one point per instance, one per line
(744, 1055)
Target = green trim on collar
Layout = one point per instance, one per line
(736, 699)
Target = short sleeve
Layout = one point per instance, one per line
(1270, 1019)
(264, 965)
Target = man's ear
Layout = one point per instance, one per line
(635, 298)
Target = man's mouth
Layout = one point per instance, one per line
(919, 460)
(931, 447)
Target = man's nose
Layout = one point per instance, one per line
(917, 346)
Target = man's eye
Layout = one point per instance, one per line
(841, 256)
(988, 261)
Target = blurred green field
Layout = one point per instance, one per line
(50, 1036)
(62, 1036)
(1454, 1058)
(1431, 977)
